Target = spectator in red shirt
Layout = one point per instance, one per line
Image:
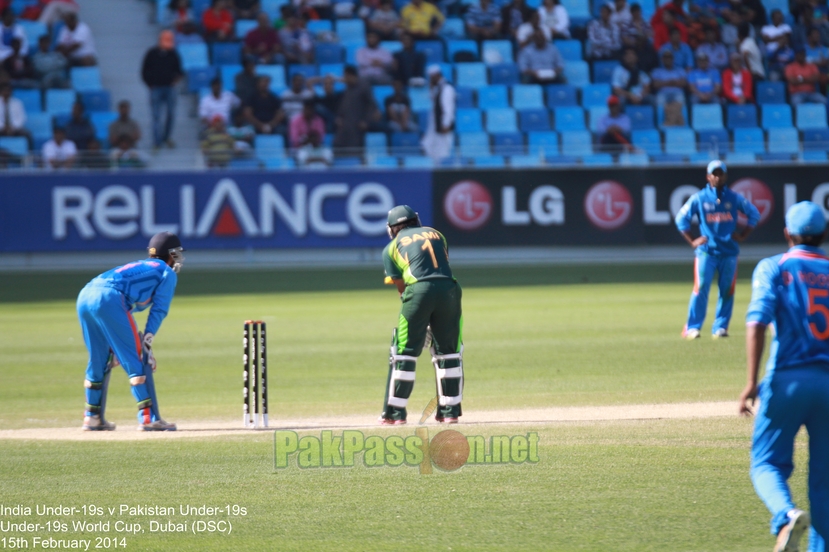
(307, 127)
(663, 26)
(803, 78)
(737, 86)
(263, 42)
(218, 22)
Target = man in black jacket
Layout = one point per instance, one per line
(161, 71)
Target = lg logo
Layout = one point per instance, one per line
(757, 193)
(468, 205)
(608, 205)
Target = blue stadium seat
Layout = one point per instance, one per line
(501, 119)
(777, 157)
(405, 143)
(749, 140)
(464, 97)
(101, 121)
(420, 99)
(597, 159)
(307, 71)
(715, 140)
(742, 116)
(86, 79)
(648, 141)
(226, 53)
(328, 52)
(493, 96)
(503, 73)
(31, 99)
(680, 141)
(335, 69)
(244, 26)
(275, 72)
(543, 143)
(577, 73)
(351, 30)
(533, 119)
(33, 31)
(383, 161)
(705, 157)
(40, 125)
(489, 161)
(200, 78)
(769, 92)
(561, 95)
(417, 162)
(578, 10)
(60, 101)
(508, 143)
(570, 50)
(810, 115)
(741, 158)
(96, 101)
(496, 51)
(348, 162)
(669, 159)
(603, 71)
(706, 116)
(317, 26)
(271, 7)
(594, 95)
(228, 75)
(193, 56)
(813, 156)
(783, 140)
(279, 163)
(432, 49)
(568, 118)
(816, 139)
(525, 161)
(455, 46)
(391, 45)
(595, 113)
(351, 51)
(381, 92)
(527, 96)
(776, 116)
(471, 74)
(269, 146)
(634, 159)
(641, 117)
(577, 143)
(16, 145)
(244, 164)
(375, 143)
(453, 27)
(472, 144)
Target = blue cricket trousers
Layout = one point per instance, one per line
(789, 399)
(704, 266)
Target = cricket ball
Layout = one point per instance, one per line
(449, 450)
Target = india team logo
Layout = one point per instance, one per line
(608, 205)
(467, 205)
(758, 194)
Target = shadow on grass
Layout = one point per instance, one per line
(51, 286)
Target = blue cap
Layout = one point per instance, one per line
(805, 219)
(714, 165)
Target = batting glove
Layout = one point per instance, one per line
(147, 342)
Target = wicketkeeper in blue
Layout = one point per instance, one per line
(716, 207)
(105, 307)
(791, 292)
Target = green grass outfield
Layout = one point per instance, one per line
(535, 337)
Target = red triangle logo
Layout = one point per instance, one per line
(226, 223)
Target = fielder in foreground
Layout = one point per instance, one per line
(105, 307)
(417, 262)
(716, 207)
(791, 291)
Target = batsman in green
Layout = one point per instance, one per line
(417, 262)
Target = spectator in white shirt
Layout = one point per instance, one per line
(219, 102)
(621, 13)
(373, 61)
(76, 43)
(12, 114)
(554, 16)
(59, 153)
(772, 34)
(526, 31)
(8, 31)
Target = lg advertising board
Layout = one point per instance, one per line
(77, 212)
(604, 207)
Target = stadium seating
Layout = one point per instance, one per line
(568, 118)
(561, 95)
(648, 141)
(527, 96)
(594, 115)
(327, 52)
(603, 71)
(101, 121)
(86, 79)
(501, 120)
(576, 143)
(577, 73)
(634, 159)
(432, 49)
(525, 161)
(60, 101)
(816, 139)
(706, 117)
(810, 116)
(193, 55)
(417, 162)
(351, 30)
(783, 140)
(543, 143)
(496, 51)
(31, 99)
(680, 141)
(96, 101)
(597, 159)
(471, 74)
(472, 144)
(455, 46)
(226, 53)
(641, 117)
(533, 119)
(493, 161)
(15, 145)
(770, 92)
(404, 143)
(493, 96)
(742, 116)
(503, 73)
(713, 140)
(776, 116)
(570, 50)
(468, 120)
(508, 143)
(269, 146)
(464, 97)
(375, 143)
(749, 140)
(594, 95)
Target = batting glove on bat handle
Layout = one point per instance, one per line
(147, 342)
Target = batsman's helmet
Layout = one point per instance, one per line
(165, 245)
(401, 215)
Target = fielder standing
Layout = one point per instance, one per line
(791, 291)
(105, 307)
(716, 207)
(417, 262)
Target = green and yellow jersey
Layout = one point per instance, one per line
(417, 254)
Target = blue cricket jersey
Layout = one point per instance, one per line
(791, 291)
(717, 214)
(144, 282)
